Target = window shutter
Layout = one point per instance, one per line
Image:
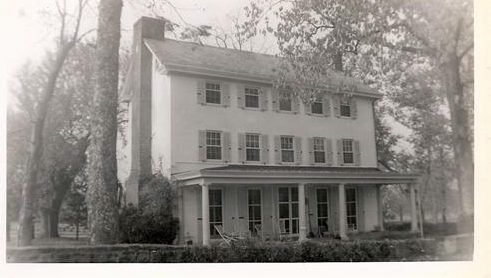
(264, 149)
(328, 144)
(298, 150)
(275, 100)
(311, 151)
(277, 149)
(339, 144)
(326, 106)
(295, 104)
(200, 91)
(202, 145)
(356, 150)
(225, 94)
(263, 99)
(226, 146)
(337, 105)
(241, 148)
(308, 108)
(353, 108)
(240, 96)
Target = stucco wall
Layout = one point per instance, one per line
(188, 117)
(370, 207)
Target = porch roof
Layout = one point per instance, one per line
(263, 174)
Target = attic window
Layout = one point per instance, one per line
(213, 93)
(345, 107)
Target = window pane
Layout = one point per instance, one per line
(215, 197)
(213, 152)
(284, 211)
(350, 195)
(252, 155)
(294, 210)
(251, 97)
(317, 108)
(345, 111)
(252, 140)
(348, 158)
(319, 157)
(321, 195)
(286, 143)
(347, 145)
(294, 226)
(283, 194)
(285, 104)
(318, 144)
(294, 194)
(213, 86)
(212, 96)
(254, 196)
(287, 156)
(321, 210)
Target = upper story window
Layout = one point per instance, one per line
(345, 107)
(252, 147)
(213, 145)
(287, 153)
(213, 93)
(317, 107)
(285, 104)
(252, 97)
(348, 156)
(319, 150)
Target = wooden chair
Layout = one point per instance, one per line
(226, 237)
(283, 233)
(259, 231)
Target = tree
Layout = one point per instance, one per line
(102, 170)
(65, 45)
(74, 206)
(378, 41)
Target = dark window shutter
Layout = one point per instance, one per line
(240, 96)
(298, 150)
(200, 92)
(226, 146)
(275, 100)
(339, 144)
(225, 94)
(202, 145)
(337, 105)
(241, 148)
(277, 149)
(263, 99)
(264, 149)
(326, 106)
(353, 108)
(356, 150)
(311, 151)
(328, 144)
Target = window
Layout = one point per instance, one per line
(287, 154)
(319, 150)
(254, 203)
(251, 97)
(213, 93)
(351, 208)
(213, 145)
(316, 107)
(285, 104)
(288, 208)
(322, 209)
(348, 151)
(345, 107)
(252, 147)
(215, 196)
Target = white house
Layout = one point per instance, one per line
(244, 158)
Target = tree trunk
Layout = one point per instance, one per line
(461, 133)
(8, 228)
(102, 179)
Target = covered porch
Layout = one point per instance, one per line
(273, 202)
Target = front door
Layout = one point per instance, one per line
(288, 209)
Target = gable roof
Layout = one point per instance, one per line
(195, 58)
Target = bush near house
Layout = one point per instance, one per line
(152, 221)
(333, 251)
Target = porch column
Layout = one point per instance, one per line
(342, 211)
(380, 208)
(301, 213)
(205, 211)
(414, 218)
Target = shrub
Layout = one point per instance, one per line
(152, 221)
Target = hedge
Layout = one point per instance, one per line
(333, 251)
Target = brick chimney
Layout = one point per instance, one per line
(140, 100)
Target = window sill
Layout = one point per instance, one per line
(286, 112)
(253, 109)
(317, 115)
(213, 104)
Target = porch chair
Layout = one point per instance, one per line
(226, 238)
(282, 229)
(259, 231)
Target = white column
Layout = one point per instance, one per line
(205, 211)
(380, 208)
(342, 211)
(301, 213)
(414, 217)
